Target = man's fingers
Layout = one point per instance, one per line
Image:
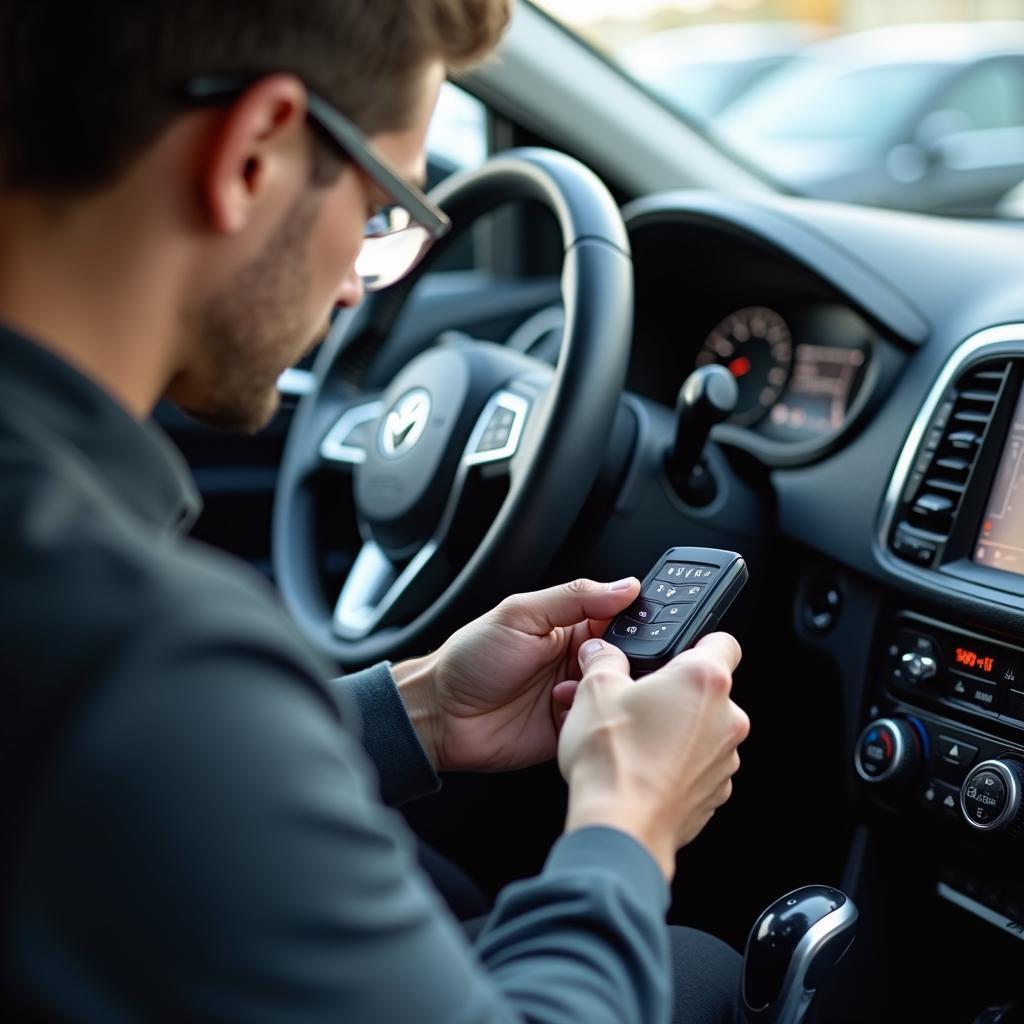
(565, 605)
(723, 647)
(564, 692)
(597, 656)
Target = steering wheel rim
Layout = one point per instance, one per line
(567, 426)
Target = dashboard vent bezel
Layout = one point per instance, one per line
(941, 558)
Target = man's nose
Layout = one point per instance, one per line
(351, 291)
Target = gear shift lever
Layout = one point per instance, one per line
(791, 948)
(708, 396)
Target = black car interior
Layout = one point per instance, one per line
(869, 474)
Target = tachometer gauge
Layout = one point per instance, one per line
(755, 345)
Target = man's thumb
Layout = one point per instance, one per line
(597, 655)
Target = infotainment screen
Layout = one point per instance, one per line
(1001, 539)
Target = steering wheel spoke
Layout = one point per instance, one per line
(344, 445)
(376, 588)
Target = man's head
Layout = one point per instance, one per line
(265, 219)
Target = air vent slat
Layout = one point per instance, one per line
(966, 416)
(980, 396)
(942, 469)
(946, 486)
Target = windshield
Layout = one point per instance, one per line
(851, 100)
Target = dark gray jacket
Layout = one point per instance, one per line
(193, 829)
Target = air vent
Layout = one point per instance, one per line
(945, 462)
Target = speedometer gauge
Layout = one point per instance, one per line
(755, 345)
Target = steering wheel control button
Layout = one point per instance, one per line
(956, 752)
(990, 798)
(499, 429)
(976, 692)
(643, 611)
(686, 572)
(888, 750)
(941, 797)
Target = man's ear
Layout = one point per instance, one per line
(256, 151)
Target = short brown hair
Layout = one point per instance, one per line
(87, 86)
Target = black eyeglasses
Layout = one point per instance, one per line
(395, 238)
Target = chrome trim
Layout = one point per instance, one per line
(1002, 342)
(796, 998)
(296, 383)
(331, 447)
(899, 751)
(356, 614)
(1001, 921)
(1012, 783)
(515, 404)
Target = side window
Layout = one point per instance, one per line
(458, 133)
(991, 96)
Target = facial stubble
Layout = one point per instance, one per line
(253, 330)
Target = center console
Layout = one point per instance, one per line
(943, 734)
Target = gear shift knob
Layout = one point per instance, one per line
(708, 396)
(791, 948)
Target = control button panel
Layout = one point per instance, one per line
(935, 665)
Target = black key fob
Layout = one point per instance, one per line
(682, 598)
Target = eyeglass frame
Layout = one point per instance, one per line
(348, 139)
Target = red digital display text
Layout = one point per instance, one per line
(975, 661)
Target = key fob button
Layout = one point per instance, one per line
(643, 611)
(674, 613)
(663, 592)
(665, 631)
(629, 629)
(687, 573)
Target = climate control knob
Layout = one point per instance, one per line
(990, 798)
(889, 750)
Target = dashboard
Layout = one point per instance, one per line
(880, 365)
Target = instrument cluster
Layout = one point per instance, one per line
(798, 371)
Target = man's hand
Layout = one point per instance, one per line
(483, 701)
(655, 756)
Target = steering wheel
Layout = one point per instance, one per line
(468, 470)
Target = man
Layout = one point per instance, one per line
(193, 830)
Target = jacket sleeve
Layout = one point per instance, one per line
(388, 735)
(209, 845)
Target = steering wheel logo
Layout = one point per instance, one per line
(405, 423)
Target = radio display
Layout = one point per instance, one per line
(974, 661)
(1000, 542)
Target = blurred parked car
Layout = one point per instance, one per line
(914, 117)
(701, 70)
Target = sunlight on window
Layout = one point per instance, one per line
(910, 104)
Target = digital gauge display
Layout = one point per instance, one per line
(756, 347)
(819, 394)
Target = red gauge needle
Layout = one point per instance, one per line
(740, 366)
